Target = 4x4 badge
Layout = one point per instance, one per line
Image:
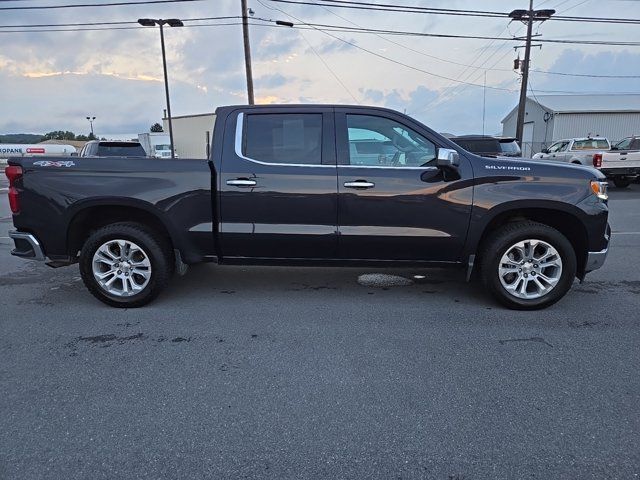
(49, 163)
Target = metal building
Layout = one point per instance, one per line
(555, 117)
(192, 134)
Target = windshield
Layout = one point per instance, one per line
(624, 144)
(510, 147)
(121, 150)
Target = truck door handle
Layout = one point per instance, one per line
(359, 184)
(242, 182)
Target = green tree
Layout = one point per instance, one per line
(59, 135)
(156, 127)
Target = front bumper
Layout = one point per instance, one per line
(596, 259)
(27, 246)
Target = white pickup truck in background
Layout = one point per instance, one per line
(622, 163)
(574, 150)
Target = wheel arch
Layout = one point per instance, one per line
(561, 218)
(89, 216)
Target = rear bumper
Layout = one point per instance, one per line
(27, 246)
(595, 260)
(618, 172)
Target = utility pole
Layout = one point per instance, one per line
(484, 101)
(528, 17)
(522, 104)
(247, 51)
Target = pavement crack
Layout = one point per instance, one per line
(531, 339)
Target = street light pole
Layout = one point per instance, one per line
(173, 22)
(247, 52)
(166, 91)
(91, 119)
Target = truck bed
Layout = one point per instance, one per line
(64, 192)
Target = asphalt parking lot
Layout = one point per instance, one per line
(303, 373)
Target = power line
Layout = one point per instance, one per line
(478, 57)
(89, 5)
(97, 29)
(362, 30)
(397, 8)
(94, 24)
(444, 11)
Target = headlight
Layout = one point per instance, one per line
(599, 189)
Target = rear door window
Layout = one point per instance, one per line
(288, 138)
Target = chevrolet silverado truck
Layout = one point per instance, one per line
(574, 150)
(313, 185)
(622, 163)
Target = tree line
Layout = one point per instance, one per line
(57, 135)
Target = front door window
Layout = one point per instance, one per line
(382, 142)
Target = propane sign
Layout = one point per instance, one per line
(17, 150)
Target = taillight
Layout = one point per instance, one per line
(597, 160)
(13, 172)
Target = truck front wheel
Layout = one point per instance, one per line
(527, 265)
(125, 265)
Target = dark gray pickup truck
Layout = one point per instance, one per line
(313, 185)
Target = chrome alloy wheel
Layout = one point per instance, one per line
(530, 269)
(121, 268)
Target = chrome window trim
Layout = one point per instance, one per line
(238, 149)
(425, 169)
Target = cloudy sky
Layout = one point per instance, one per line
(53, 80)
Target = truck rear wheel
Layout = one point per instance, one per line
(527, 265)
(125, 265)
(622, 182)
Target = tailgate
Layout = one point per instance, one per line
(622, 159)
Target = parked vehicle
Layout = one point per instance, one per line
(17, 149)
(488, 146)
(622, 163)
(104, 148)
(288, 185)
(574, 150)
(156, 145)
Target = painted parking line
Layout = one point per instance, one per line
(625, 233)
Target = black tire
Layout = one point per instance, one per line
(497, 244)
(154, 246)
(622, 182)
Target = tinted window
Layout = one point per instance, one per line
(284, 138)
(482, 146)
(121, 150)
(379, 141)
(590, 144)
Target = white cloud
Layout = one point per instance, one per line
(56, 79)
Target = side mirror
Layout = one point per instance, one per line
(447, 158)
(545, 150)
